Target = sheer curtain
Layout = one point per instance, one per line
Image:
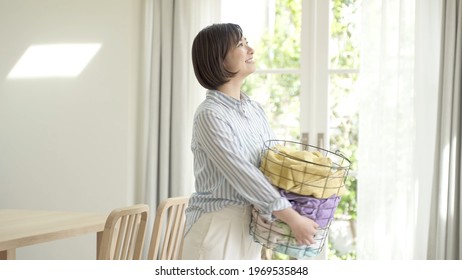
(399, 84)
(169, 97)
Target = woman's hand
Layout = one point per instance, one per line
(302, 227)
(304, 230)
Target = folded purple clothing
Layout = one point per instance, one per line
(320, 210)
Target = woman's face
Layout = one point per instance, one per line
(240, 59)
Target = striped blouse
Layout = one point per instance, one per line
(228, 137)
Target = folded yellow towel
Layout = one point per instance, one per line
(302, 172)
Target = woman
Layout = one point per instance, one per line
(229, 131)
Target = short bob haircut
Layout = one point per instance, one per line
(209, 50)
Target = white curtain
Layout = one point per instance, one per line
(399, 85)
(445, 241)
(169, 97)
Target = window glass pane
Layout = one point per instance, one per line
(279, 94)
(343, 102)
(343, 131)
(343, 39)
(343, 113)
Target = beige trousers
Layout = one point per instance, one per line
(222, 235)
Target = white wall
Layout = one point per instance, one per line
(68, 143)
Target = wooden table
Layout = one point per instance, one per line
(19, 228)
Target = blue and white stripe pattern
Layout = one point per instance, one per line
(227, 141)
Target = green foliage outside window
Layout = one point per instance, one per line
(344, 134)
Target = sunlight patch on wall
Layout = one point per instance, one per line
(54, 60)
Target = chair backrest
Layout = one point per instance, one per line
(168, 229)
(124, 233)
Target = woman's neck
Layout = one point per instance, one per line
(232, 88)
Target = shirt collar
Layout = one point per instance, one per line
(226, 99)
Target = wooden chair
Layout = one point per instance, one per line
(168, 229)
(124, 233)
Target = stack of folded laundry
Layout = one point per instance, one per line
(313, 183)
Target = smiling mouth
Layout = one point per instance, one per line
(250, 60)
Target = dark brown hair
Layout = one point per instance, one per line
(209, 50)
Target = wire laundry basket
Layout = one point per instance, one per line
(278, 237)
(313, 180)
